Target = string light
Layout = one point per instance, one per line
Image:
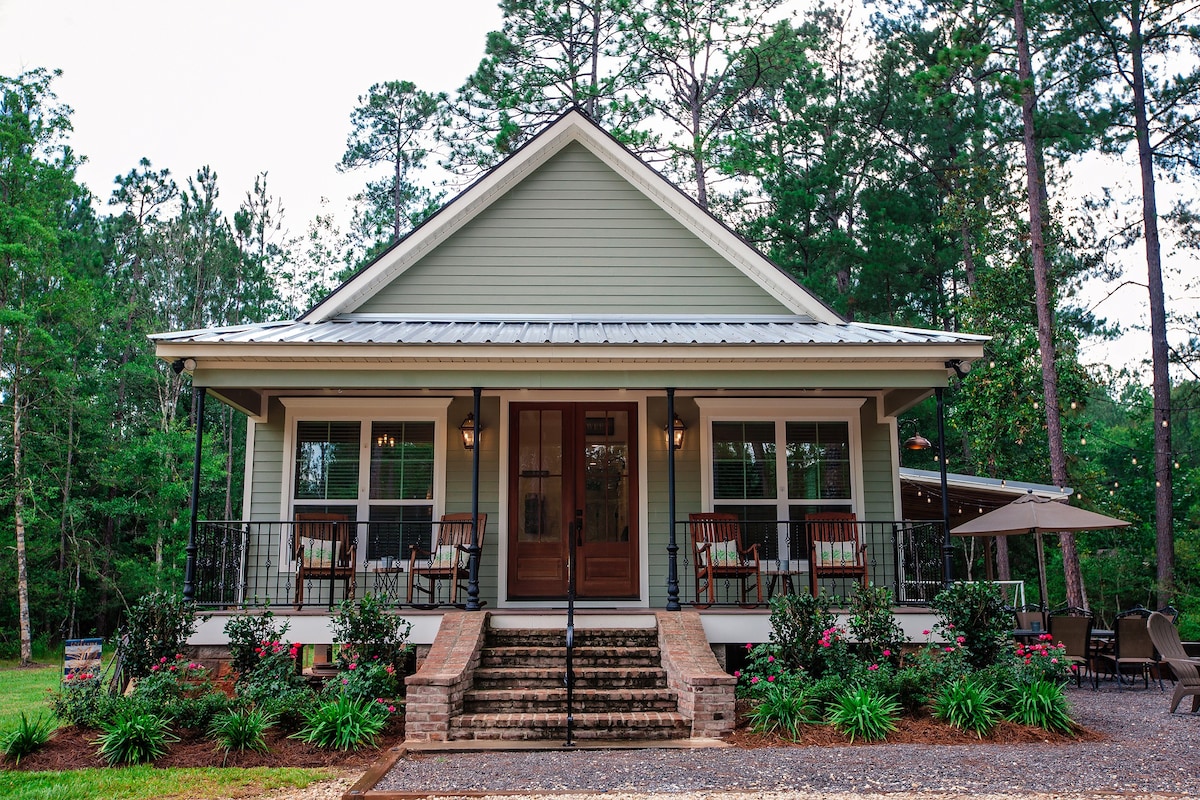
(1083, 440)
(1135, 461)
(1074, 405)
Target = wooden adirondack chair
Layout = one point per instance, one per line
(1186, 669)
(324, 549)
(448, 561)
(717, 554)
(835, 548)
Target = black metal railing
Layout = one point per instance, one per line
(256, 563)
(905, 556)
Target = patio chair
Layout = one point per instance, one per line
(1074, 632)
(1133, 652)
(834, 548)
(1165, 637)
(324, 549)
(717, 554)
(450, 559)
(1026, 617)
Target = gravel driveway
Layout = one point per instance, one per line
(1148, 752)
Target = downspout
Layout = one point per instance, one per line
(189, 569)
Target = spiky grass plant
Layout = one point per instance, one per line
(783, 709)
(343, 723)
(860, 712)
(1041, 703)
(241, 729)
(133, 737)
(27, 738)
(968, 704)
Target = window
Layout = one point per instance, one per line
(774, 471)
(382, 473)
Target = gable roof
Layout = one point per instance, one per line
(576, 128)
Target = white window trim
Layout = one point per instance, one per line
(781, 411)
(343, 409)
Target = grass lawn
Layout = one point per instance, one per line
(26, 690)
(146, 782)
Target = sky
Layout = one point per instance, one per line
(247, 86)
(244, 86)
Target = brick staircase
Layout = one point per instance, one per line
(502, 682)
(621, 690)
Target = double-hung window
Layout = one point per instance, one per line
(772, 471)
(382, 473)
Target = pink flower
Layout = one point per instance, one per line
(770, 679)
(824, 643)
(154, 668)
(770, 659)
(162, 660)
(924, 633)
(754, 679)
(737, 673)
(749, 646)
(950, 627)
(887, 653)
(873, 667)
(391, 709)
(1054, 661)
(389, 669)
(949, 649)
(354, 666)
(344, 681)
(960, 639)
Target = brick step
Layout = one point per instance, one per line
(619, 725)
(549, 656)
(584, 637)
(513, 701)
(585, 678)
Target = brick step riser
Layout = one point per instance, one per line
(553, 726)
(543, 734)
(599, 638)
(549, 684)
(614, 660)
(585, 702)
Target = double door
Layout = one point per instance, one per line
(573, 473)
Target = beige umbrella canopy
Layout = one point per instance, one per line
(1037, 515)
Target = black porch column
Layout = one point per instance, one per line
(672, 545)
(947, 546)
(189, 569)
(473, 563)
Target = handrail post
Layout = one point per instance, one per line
(569, 679)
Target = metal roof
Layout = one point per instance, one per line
(560, 330)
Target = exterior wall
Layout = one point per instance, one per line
(879, 468)
(687, 488)
(573, 237)
(458, 482)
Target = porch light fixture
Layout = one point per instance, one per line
(469, 429)
(676, 430)
(917, 442)
(179, 365)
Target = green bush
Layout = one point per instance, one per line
(27, 738)
(343, 723)
(968, 704)
(373, 680)
(873, 626)
(1041, 703)
(368, 633)
(247, 634)
(180, 691)
(133, 737)
(83, 701)
(783, 709)
(275, 685)
(241, 729)
(860, 712)
(974, 616)
(156, 627)
(798, 624)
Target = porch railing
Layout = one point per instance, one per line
(905, 556)
(253, 563)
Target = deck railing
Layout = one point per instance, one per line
(251, 563)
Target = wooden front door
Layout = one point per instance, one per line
(573, 464)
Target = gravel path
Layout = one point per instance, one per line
(1149, 752)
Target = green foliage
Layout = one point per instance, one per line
(763, 671)
(369, 633)
(968, 704)
(1041, 703)
(862, 713)
(275, 684)
(799, 623)
(371, 680)
(241, 729)
(134, 737)
(343, 723)
(873, 626)
(156, 630)
(1041, 661)
(83, 700)
(783, 709)
(974, 616)
(247, 633)
(28, 737)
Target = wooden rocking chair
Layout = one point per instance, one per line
(835, 550)
(717, 554)
(324, 549)
(448, 561)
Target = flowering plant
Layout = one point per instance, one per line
(764, 670)
(1042, 660)
(81, 701)
(373, 679)
(170, 679)
(274, 679)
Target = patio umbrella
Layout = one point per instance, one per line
(1036, 514)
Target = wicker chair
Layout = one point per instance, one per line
(1186, 670)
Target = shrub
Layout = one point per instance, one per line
(968, 704)
(873, 625)
(180, 691)
(1042, 660)
(343, 723)
(369, 633)
(28, 737)
(156, 626)
(275, 685)
(133, 737)
(861, 712)
(83, 701)
(373, 680)
(783, 709)
(1041, 703)
(242, 729)
(974, 616)
(247, 633)
(798, 622)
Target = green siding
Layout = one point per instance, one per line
(573, 237)
(879, 464)
(687, 494)
(458, 483)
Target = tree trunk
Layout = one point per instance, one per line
(18, 400)
(1163, 501)
(1044, 298)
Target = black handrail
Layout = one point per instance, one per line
(569, 678)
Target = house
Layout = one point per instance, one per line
(615, 359)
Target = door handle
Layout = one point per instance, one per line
(579, 527)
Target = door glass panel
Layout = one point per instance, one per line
(606, 476)
(540, 478)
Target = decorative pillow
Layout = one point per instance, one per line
(835, 554)
(722, 554)
(447, 556)
(318, 553)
